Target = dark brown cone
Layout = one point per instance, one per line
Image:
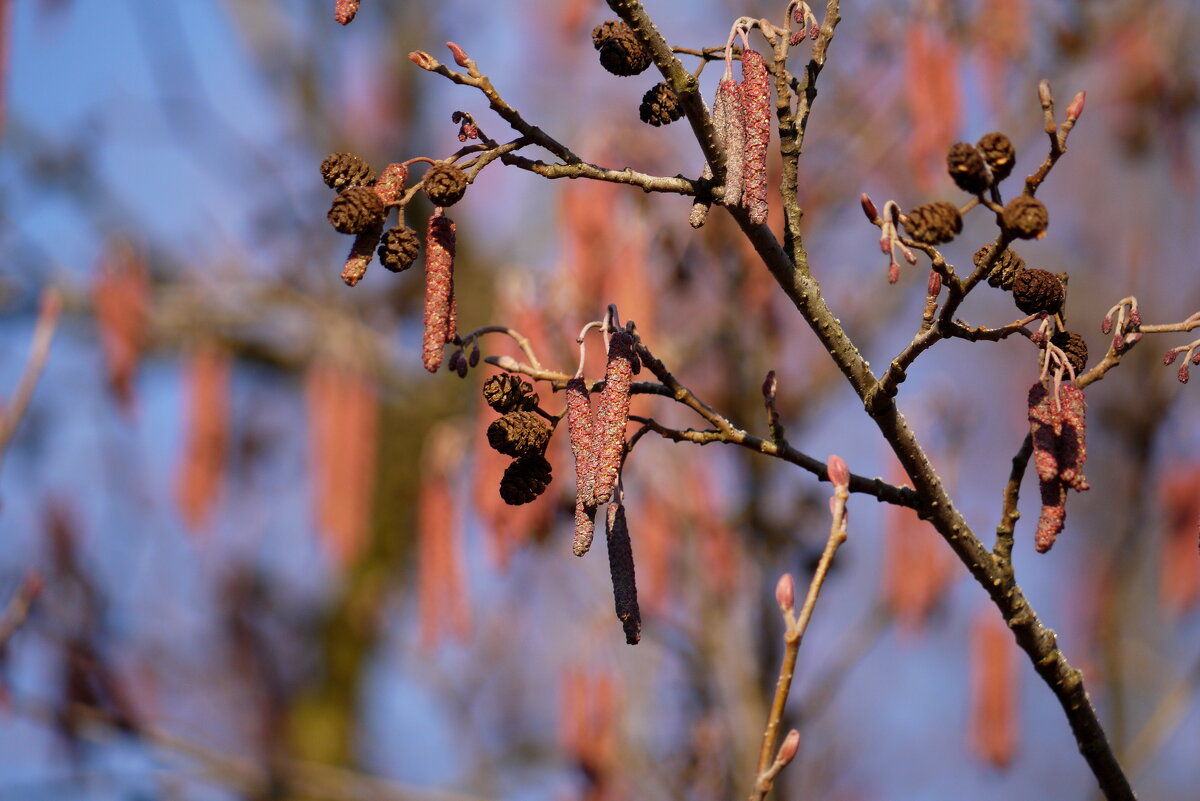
(620, 566)
(660, 106)
(445, 184)
(355, 210)
(506, 393)
(1037, 291)
(620, 51)
(1025, 217)
(519, 434)
(399, 248)
(934, 223)
(998, 151)
(1073, 345)
(524, 480)
(967, 168)
(1005, 270)
(344, 170)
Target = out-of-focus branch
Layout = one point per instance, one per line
(18, 607)
(39, 350)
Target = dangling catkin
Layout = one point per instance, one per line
(612, 415)
(731, 133)
(755, 97)
(620, 566)
(439, 288)
(581, 429)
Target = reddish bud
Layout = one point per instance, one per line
(785, 593)
(1196, 357)
(1106, 326)
(935, 283)
(814, 31)
(839, 473)
(460, 56)
(789, 747)
(1184, 373)
(344, 11)
(893, 272)
(1170, 356)
(868, 207)
(770, 385)
(1075, 108)
(796, 38)
(1135, 318)
(423, 60)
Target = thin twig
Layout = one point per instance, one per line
(39, 349)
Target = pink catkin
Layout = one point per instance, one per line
(391, 183)
(1059, 451)
(581, 429)
(755, 99)
(612, 415)
(731, 134)
(439, 288)
(360, 256)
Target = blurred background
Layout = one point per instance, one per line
(272, 559)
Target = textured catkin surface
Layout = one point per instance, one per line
(620, 566)
(612, 414)
(581, 429)
(755, 98)
(439, 286)
(731, 131)
(1059, 451)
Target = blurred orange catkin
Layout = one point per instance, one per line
(917, 567)
(343, 417)
(441, 579)
(1179, 566)
(993, 725)
(932, 96)
(120, 296)
(206, 436)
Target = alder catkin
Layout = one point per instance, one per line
(612, 415)
(620, 566)
(439, 286)
(731, 134)
(755, 97)
(1058, 431)
(581, 429)
(361, 252)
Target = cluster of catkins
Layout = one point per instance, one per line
(742, 120)
(598, 444)
(361, 209)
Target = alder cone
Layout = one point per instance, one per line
(525, 480)
(934, 223)
(399, 248)
(1073, 345)
(1005, 270)
(620, 51)
(1036, 291)
(506, 393)
(343, 170)
(967, 168)
(355, 210)
(519, 434)
(660, 106)
(444, 184)
(1025, 217)
(998, 151)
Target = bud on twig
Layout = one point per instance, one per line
(1075, 109)
(868, 207)
(344, 11)
(460, 56)
(788, 748)
(423, 60)
(785, 593)
(839, 473)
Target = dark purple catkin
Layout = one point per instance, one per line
(731, 135)
(620, 566)
(755, 97)
(581, 429)
(439, 287)
(612, 415)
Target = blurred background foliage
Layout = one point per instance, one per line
(273, 560)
